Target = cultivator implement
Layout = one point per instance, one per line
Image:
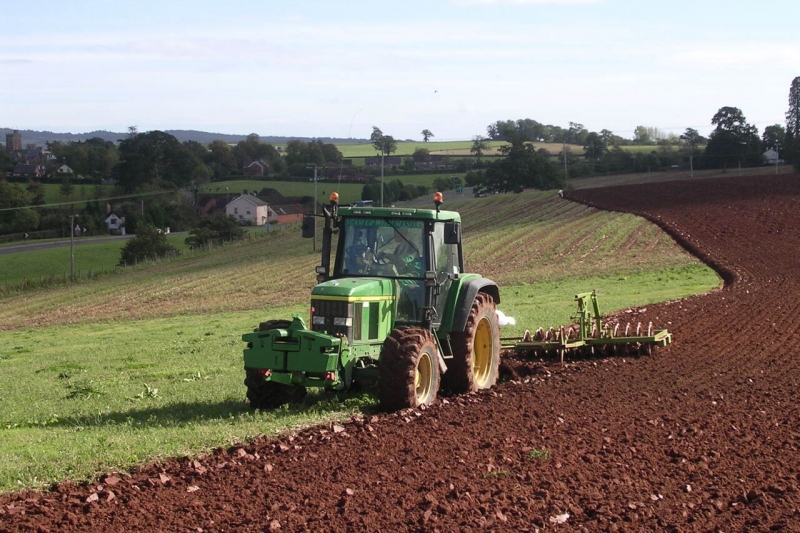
(590, 336)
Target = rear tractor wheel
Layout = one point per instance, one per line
(476, 351)
(409, 369)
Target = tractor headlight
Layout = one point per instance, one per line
(318, 320)
(341, 321)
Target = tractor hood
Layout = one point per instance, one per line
(355, 289)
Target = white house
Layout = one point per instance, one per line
(249, 209)
(64, 169)
(770, 156)
(114, 223)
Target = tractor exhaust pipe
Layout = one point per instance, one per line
(309, 228)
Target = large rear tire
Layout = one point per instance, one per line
(409, 369)
(476, 351)
(264, 394)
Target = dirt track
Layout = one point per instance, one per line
(703, 436)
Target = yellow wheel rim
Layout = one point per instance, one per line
(482, 352)
(423, 379)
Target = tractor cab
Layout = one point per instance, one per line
(416, 251)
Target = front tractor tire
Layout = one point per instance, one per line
(409, 369)
(263, 394)
(476, 351)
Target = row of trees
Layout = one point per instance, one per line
(157, 158)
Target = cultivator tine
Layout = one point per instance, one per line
(614, 335)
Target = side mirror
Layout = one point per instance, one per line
(452, 232)
(309, 225)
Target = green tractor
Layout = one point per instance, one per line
(396, 308)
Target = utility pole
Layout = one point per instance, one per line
(777, 155)
(315, 190)
(314, 245)
(382, 154)
(691, 165)
(72, 247)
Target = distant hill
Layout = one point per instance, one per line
(40, 138)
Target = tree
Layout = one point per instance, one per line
(384, 144)
(793, 114)
(501, 130)
(216, 229)
(641, 135)
(149, 243)
(733, 139)
(93, 157)
(594, 146)
(576, 134)
(330, 152)
(523, 167)
(220, 159)
(479, 145)
(692, 138)
(443, 184)
(156, 159)
(426, 134)
(252, 149)
(774, 137)
(36, 191)
(421, 153)
(66, 187)
(14, 197)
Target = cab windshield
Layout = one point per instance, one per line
(381, 247)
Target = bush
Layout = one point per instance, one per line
(149, 243)
(216, 229)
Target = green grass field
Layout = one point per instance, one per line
(52, 192)
(407, 148)
(130, 368)
(97, 258)
(348, 192)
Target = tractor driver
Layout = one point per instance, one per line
(406, 256)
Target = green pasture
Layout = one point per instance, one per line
(348, 192)
(407, 148)
(147, 364)
(43, 264)
(52, 192)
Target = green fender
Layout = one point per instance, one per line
(459, 302)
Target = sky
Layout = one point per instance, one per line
(314, 68)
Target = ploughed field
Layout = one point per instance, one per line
(701, 436)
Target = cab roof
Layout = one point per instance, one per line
(399, 213)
